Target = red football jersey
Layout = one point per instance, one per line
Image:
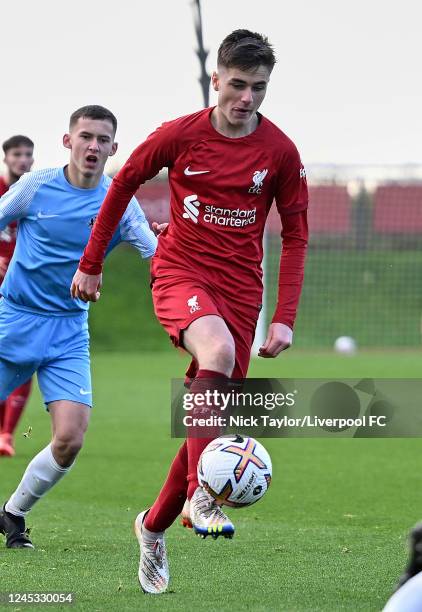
(8, 235)
(221, 192)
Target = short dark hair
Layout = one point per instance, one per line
(93, 111)
(246, 50)
(17, 141)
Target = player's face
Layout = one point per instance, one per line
(240, 93)
(19, 160)
(91, 142)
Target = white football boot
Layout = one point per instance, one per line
(153, 571)
(207, 516)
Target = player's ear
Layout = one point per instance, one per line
(113, 149)
(214, 81)
(66, 141)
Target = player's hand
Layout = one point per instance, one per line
(158, 228)
(3, 266)
(86, 286)
(279, 338)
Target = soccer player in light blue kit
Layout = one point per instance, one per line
(42, 328)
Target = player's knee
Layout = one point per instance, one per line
(222, 354)
(66, 446)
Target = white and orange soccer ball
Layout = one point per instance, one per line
(236, 470)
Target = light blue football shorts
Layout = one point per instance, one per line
(56, 347)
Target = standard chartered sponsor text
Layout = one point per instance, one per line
(238, 217)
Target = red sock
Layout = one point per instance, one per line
(205, 380)
(15, 404)
(169, 502)
(2, 410)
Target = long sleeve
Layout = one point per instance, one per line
(135, 229)
(14, 204)
(292, 264)
(292, 202)
(144, 163)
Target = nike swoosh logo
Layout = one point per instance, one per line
(41, 215)
(83, 392)
(192, 172)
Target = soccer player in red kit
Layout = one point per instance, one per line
(18, 157)
(226, 166)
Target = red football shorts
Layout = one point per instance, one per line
(179, 300)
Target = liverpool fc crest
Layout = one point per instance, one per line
(258, 179)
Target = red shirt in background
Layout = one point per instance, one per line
(8, 235)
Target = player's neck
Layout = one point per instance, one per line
(10, 178)
(77, 179)
(222, 126)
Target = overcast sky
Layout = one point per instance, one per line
(347, 87)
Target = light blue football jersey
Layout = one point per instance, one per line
(55, 221)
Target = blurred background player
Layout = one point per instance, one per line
(42, 328)
(18, 158)
(226, 166)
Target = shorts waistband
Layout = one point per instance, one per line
(44, 313)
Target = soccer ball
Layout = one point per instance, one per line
(345, 345)
(236, 470)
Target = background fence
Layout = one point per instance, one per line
(363, 274)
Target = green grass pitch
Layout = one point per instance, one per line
(330, 534)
